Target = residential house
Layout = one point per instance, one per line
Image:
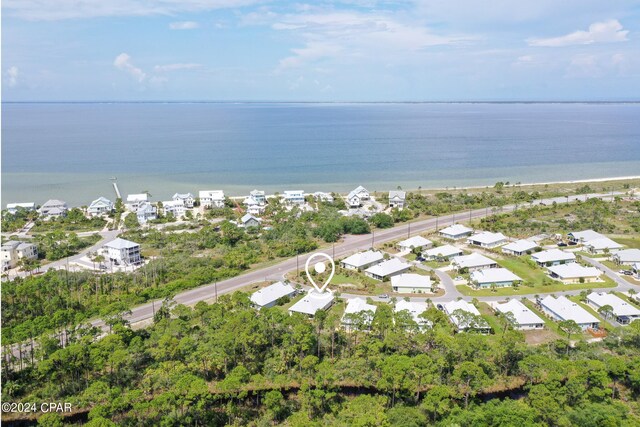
(415, 309)
(53, 209)
(456, 232)
(323, 197)
(552, 257)
(519, 247)
(410, 283)
(13, 251)
(123, 252)
(624, 312)
(146, 212)
(415, 242)
(626, 257)
(397, 199)
(100, 206)
(268, 296)
(357, 196)
(580, 237)
(487, 239)
(472, 262)
(441, 253)
(524, 318)
(500, 277)
(387, 269)
(294, 197)
(135, 200)
(574, 273)
(12, 208)
(561, 309)
(258, 196)
(249, 221)
(187, 199)
(211, 199)
(176, 208)
(602, 245)
(362, 260)
(358, 313)
(313, 302)
(465, 317)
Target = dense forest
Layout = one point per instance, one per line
(227, 364)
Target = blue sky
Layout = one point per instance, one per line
(352, 50)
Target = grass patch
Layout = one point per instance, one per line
(528, 290)
(532, 275)
(628, 241)
(488, 314)
(550, 324)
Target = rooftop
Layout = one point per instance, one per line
(472, 260)
(586, 235)
(271, 293)
(121, 244)
(553, 255)
(416, 242)
(456, 230)
(574, 271)
(444, 250)
(568, 310)
(620, 306)
(488, 237)
(394, 265)
(411, 280)
(493, 275)
(313, 302)
(602, 243)
(415, 309)
(520, 246)
(363, 258)
(521, 312)
(628, 255)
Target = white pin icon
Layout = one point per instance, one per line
(319, 267)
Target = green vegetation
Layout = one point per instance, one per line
(14, 222)
(75, 220)
(58, 244)
(222, 364)
(526, 290)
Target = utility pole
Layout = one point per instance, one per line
(373, 234)
(153, 307)
(215, 286)
(409, 231)
(297, 268)
(436, 222)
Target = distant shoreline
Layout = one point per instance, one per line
(314, 102)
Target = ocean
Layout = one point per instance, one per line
(71, 151)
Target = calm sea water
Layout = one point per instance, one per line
(71, 150)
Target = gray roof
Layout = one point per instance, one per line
(521, 312)
(271, 293)
(568, 310)
(395, 193)
(494, 275)
(121, 244)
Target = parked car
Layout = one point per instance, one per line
(562, 244)
(419, 258)
(383, 296)
(440, 307)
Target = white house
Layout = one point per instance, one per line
(248, 221)
(386, 269)
(574, 273)
(355, 197)
(123, 252)
(602, 245)
(626, 256)
(361, 192)
(268, 296)
(362, 260)
(258, 196)
(397, 199)
(519, 247)
(312, 302)
(473, 262)
(100, 206)
(146, 212)
(525, 319)
(562, 308)
(355, 307)
(54, 208)
(211, 199)
(323, 197)
(487, 239)
(411, 243)
(624, 312)
(410, 283)
(441, 253)
(553, 257)
(415, 309)
(176, 208)
(256, 209)
(465, 316)
(135, 200)
(13, 251)
(584, 236)
(455, 232)
(294, 197)
(500, 277)
(12, 208)
(187, 199)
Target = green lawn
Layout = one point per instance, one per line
(535, 276)
(528, 290)
(488, 314)
(630, 242)
(550, 324)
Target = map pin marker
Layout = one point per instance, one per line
(320, 268)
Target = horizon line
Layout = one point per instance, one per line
(194, 101)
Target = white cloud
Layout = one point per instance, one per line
(123, 62)
(351, 34)
(175, 67)
(184, 25)
(12, 76)
(39, 10)
(600, 32)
